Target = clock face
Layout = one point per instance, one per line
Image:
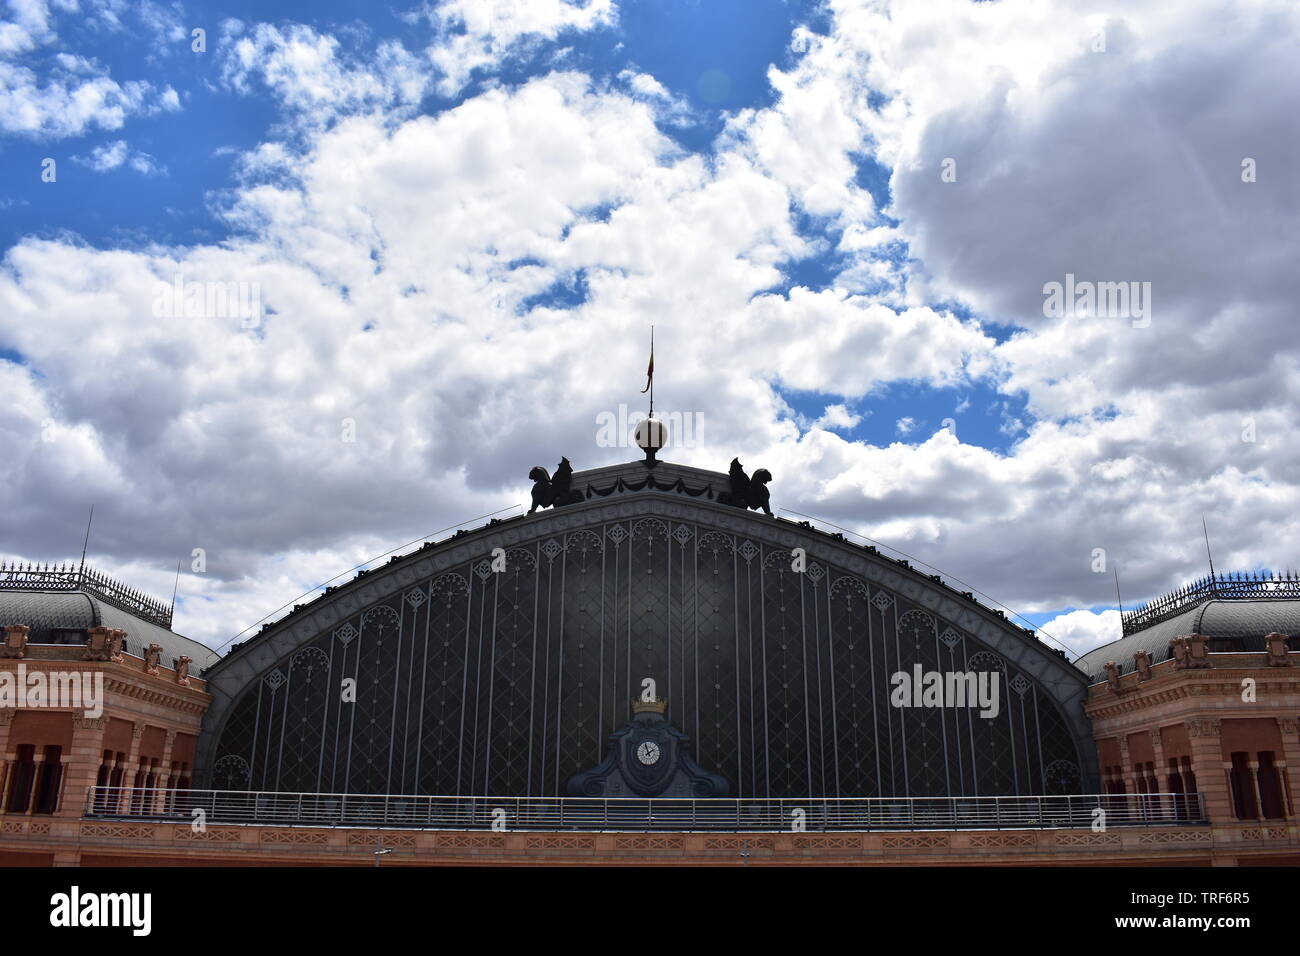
(648, 753)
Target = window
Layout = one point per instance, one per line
(22, 774)
(49, 780)
(102, 781)
(1270, 788)
(1189, 783)
(1243, 787)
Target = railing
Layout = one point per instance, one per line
(592, 814)
(1235, 585)
(26, 576)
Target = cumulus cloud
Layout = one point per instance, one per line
(1083, 631)
(479, 35)
(471, 289)
(312, 76)
(672, 109)
(836, 417)
(60, 94)
(109, 156)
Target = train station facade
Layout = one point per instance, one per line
(649, 668)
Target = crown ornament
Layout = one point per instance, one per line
(655, 705)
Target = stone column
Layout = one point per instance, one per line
(1132, 797)
(1207, 764)
(38, 771)
(164, 773)
(87, 754)
(6, 759)
(1290, 774)
(1187, 776)
(132, 766)
(1159, 772)
(1259, 795)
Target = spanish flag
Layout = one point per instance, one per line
(650, 369)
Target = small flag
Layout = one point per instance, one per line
(650, 370)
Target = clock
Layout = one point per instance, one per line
(648, 753)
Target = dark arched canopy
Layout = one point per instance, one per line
(476, 681)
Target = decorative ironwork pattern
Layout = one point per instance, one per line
(1217, 587)
(508, 682)
(19, 576)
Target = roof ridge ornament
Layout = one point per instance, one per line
(747, 492)
(554, 492)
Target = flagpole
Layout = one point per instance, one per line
(81, 570)
(652, 378)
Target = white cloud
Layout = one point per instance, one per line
(63, 94)
(479, 35)
(311, 75)
(836, 417)
(108, 156)
(671, 108)
(113, 155)
(1082, 631)
(28, 28)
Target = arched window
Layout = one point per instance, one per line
(49, 780)
(1243, 787)
(1270, 788)
(22, 775)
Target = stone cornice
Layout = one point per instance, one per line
(1169, 685)
(128, 680)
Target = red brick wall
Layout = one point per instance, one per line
(42, 728)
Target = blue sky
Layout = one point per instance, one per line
(461, 226)
(714, 55)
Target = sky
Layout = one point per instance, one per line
(285, 286)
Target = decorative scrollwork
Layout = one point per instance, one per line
(520, 558)
(916, 624)
(449, 587)
(649, 528)
(985, 661)
(583, 541)
(312, 658)
(1061, 776)
(716, 543)
(849, 588)
(381, 620)
(780, 560)
(232, 772)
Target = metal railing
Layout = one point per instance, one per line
(29, 576)
(1233, 585)
(595, 814)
